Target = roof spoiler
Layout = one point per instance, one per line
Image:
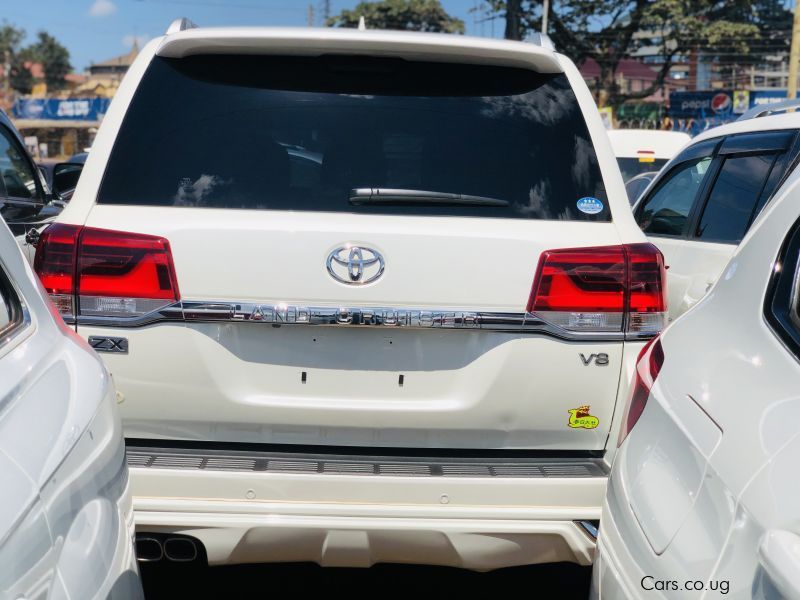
(180, 24)
(307, 41)
(770, 109)
(534, 37)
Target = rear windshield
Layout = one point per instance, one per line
(631, 167)
(356, 134)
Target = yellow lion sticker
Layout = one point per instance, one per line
(580, 418)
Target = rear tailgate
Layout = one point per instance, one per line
(418, 386)
(355, 241)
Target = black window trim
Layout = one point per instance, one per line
(749, 144)
(40, 191)
(693, 154)
(790, 160)
(783, 293)
(788, 157)
(758, 142)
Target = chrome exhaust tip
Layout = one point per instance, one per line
(148, 549)
(180, 549)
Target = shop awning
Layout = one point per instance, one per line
(54, 124)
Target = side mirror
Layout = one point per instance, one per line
(65, 179)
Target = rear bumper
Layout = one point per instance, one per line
(479, 522)
(254, 383)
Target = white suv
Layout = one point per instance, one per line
(370, 296)
(703, 500)
(703, 202)
(66, 516)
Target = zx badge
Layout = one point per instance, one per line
(601, 360)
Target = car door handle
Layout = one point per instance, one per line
(779, 555)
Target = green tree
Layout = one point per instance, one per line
(413, 15)
(10, 38)
(53, 56)
(611, 30)
(518, 14)
(772, 20)
(19, 76)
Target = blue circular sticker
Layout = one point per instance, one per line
(590, 206)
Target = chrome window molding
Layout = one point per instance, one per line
(18, 312)
(794, 300)
(360, 317)
(782, 301)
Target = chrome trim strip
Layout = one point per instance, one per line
(357, 317)
(362, 316)
(20, 316)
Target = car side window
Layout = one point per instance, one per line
(5, 312)
(17, 173)
(782, 303)
(732, 201)
(666, 211)
(9, 307)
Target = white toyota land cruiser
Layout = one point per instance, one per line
(369, 296)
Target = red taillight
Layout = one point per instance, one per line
(606, 288)
(580, 280)
(647, 290)
(648, 366)
(111, 273)
(55, 264)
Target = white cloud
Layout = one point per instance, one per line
(102, 8)
(130, 39)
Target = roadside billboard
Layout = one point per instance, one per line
(61, 109)
(694, 112)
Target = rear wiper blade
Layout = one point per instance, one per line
(401, 196)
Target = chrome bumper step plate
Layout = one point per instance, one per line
(360, 464)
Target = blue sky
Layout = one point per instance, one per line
(94, 30)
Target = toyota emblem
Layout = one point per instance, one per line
(355, 265)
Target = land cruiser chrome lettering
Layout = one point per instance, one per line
(368, 316)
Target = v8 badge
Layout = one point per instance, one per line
(601, 359)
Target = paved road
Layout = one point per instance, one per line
(177, 581)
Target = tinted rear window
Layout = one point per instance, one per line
(631, 167)
(298, 133)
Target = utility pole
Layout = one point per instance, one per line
(513, 22)
(326, 11)
(310, 15)
(7, 73)
(545, 11)
(794, 54)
